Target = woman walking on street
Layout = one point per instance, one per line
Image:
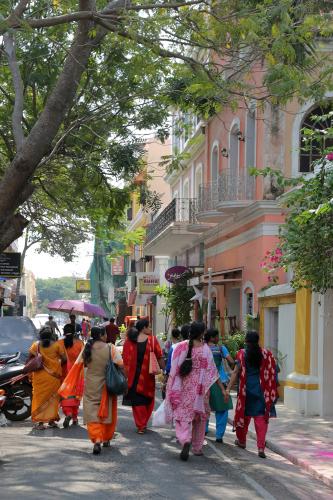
(99, 409)
(141, 384)
(73, 346)
(46, 382)
(193, 372)
(216, 399)
(257, 392)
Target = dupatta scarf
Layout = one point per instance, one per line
(268, 385)
(146, 382)
(207, 377)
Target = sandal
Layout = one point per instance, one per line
(184, 454)
(66, 422)
(97, 449)
(237, 443)
(198, 453)
(141, 431)
(53, 425)
(40, 427)
(106, 444)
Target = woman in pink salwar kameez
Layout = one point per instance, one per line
(193, 372)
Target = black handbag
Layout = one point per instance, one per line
(116, 382)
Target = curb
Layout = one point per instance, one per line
(292, 458)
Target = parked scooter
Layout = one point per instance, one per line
(17, 391)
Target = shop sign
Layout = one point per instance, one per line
(118, 266)
(82, 286)
(147, 282)
(176, 273)
(10, 265)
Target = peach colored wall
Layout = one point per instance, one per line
(154, 152)
(247, 256)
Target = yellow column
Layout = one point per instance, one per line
(303, 331)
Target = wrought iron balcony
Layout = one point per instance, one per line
(207, 202)
(236, 187)
(179, 210)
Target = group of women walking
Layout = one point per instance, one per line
(196, 384)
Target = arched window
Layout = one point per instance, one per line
(250, 137)
(215, 164)
(312, 150)
(198, 180)
(234, 151)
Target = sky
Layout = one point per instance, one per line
(45, 266)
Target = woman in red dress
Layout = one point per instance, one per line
(141, 384)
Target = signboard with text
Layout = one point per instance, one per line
(82, 286)
(176, 273)
(10, 265)
(118, 266)
(147, 282)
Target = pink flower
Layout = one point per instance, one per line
(329, 156)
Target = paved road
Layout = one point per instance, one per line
(58, 464)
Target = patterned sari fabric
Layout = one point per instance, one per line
(70, 404)
(268, 385)
(187, 398)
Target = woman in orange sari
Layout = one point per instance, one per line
(70, 405)
(99, 409)
(46, 382)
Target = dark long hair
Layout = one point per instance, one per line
(211, 333)
(141, 324)
(253, 354)
(45, 336)
(197, 329)
(95, 335)
(69, 335)
(185, 331)
(132, 334)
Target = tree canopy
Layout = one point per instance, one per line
(80, 80)
(55, 288)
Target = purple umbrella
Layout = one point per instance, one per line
(77, 307)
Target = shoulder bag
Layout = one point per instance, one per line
(115, 380)
(154, 367)
(35, 364)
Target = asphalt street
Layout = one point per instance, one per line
(58, 464)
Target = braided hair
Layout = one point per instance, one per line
(197, 329)
(69, 333)
(253, 354)
(95, 335)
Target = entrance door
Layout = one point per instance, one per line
(233, 306)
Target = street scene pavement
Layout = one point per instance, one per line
(58, 463)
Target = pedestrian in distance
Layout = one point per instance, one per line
(141, 383)
(216, 399)
(257, 391)
(99, 408)
(175, 338)
(193, 372)
(112, 331)
(73, 347)
(53, 327)
(77, 326)
(47, 380)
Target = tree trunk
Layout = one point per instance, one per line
(15, 186)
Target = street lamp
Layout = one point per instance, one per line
(209, 308)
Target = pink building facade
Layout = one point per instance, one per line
(220, 216)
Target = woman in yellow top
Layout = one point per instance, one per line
(73, 347)
(46, 382)
(99, 409)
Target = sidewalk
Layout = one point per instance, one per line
(304, 441)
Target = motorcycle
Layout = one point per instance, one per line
(17, 392)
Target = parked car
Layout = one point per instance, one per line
(17, 333)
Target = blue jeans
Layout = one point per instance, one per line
(221, 423)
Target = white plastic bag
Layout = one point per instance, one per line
(159, 418)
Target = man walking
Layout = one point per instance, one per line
(53, 327)
(112, 331)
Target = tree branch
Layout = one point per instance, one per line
(9, 45)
